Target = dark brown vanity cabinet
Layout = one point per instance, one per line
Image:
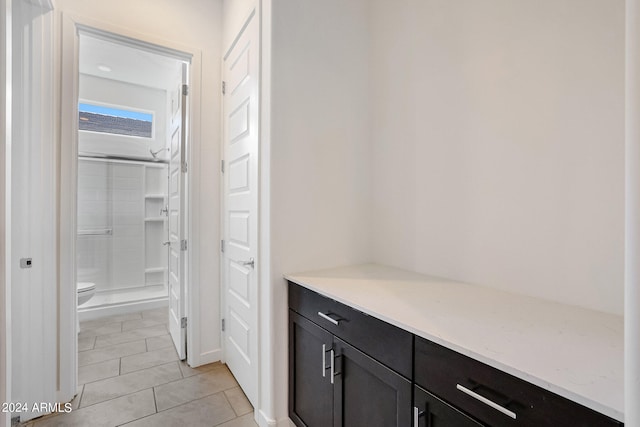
(349, 369)
(334, 383)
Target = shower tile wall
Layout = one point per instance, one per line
(111, 197)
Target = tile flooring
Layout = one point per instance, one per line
(129, 374)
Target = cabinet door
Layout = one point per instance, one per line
(367, 393)
(429, 411)
(310, 388)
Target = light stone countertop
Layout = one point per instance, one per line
(571, 351)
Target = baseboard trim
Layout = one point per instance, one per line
(264, 421)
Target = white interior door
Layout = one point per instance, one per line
(176, 218)
(240, 221)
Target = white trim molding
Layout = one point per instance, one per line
(5, 213)
(632, 216)
(33, 231)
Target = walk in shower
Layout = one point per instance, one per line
(121, 230)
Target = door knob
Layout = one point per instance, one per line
(250, 263)
(168, 242)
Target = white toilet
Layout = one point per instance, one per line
(85, 292)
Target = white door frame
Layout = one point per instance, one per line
(68, 146)
(5, 215)
(33, 311)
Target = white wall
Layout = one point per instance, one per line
(320, 149)
(197, 24)
(234, 15)
(121, 94)
(498, 141)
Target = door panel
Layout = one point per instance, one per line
(240, 216)
(176, 203)
(367, 393)
(310, 388)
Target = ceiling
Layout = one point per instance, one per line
(127, 64)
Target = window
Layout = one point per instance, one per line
(118, 121)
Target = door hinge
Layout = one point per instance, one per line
(184, 167)
(222, 165)
(224, 87)
(221, 245)
(183, 322)
(183, 245)
(185, 90)
(223, 326)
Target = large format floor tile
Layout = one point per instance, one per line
(148, 359)
(129, 374)
(140, 323)
(98, 371)
(110, 388)
(132, 335)
(238, 401)
(91, 324)
(161, 314)
(162, 341)
(179, 392)
(111, 328)
(209, 411)
(111, 352)
(111, 413)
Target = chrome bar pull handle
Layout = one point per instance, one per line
(324, 361)
(417, 413)
(486, 401)
(333, 368)
(326, 317)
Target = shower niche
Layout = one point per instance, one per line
(155, 225)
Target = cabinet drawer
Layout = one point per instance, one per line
(482, 391)
(429, 411)
(386, 343)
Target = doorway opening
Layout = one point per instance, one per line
(129, 186)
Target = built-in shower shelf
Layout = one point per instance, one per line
(155, 218)
(155, 270)
(155, 196)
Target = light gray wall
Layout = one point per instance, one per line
(320, 148)
(498, 141)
